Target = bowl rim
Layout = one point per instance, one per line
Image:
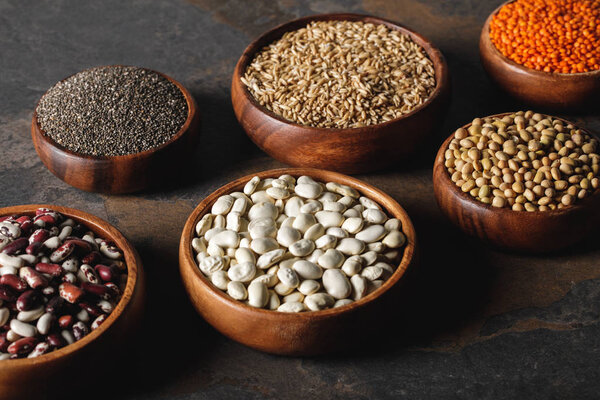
(132, 262)
(365, 189)
(433, 53)
(447, 181)
(487, 40)
(191, 113)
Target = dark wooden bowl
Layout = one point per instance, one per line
(553, 91)
(306, 333)
(57, 374)
(352, 150)
(521, 231)
(119, 174)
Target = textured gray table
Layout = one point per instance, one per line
(482, 324)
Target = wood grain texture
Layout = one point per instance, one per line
(351, 150)
(521, 231)
(120, 174)
(553, 91)
(49, 375)
(305, 333)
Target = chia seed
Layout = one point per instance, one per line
(112, 111)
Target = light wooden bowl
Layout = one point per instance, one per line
(120, 174)
(521, 231)
(351, 150)
(58, 373)
(553, 91)
(304, 333)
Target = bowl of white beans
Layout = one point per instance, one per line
(287, 261)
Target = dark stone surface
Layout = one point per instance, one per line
(480, 324)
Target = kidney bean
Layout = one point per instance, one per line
(26, 223)
(33, 278)
(70, 292)
(42, 210)
(62, 252)
(4, 343)
(14, 282)
(55, 305)
(49, 290)
(115, 289)
(91, 258)
(15, 246)
(103, 291)
(34, 248)
(28, 300)
(7, 218)
(56, 340)
(65, 321)
(83, 246)
(69, 277)
(80, 330)
(7, 293)
(40, 349)
(51, 269)
(39, 235)
(47, 219)
(22, 346)
(98, 321)
(108, 273)
(93, 310)
(89, 273)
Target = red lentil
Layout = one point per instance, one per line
(549, 35)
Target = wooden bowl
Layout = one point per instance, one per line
(59, 372)
(351, 150)
(546, 90)
(119, 174)
(305, 333)
(521, 231)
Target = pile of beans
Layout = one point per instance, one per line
(549, 35)
(525, 161)
(297, 245)
(58, 282)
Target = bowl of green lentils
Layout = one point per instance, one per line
(114, 129)
(522, 181)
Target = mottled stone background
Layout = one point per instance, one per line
(481, 324)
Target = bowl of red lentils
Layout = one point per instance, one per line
(522, 181)
(545, 53)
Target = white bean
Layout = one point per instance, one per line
(222, 205)
(258, 295)
(342, 302)
(371, 233)
(242, 272)
(394, 239)
(308, 190)
(304, 221)
(263, 245)
(270, 258)
(353, 225)
(359, 287)
(314, 232)
(274, 301)
(326, 242)
(22, 328)
(226, 238)
(307, 270)
(237, 290)
(309, 287)
(292, 207)
(286, 235)
(220, 279)
(302, 247)
(293, 306)
(351, 246)
(30, 315)
(336, 283)
(331, 259)
(251, 185)
(329, 218)
(263, 210)
(45, 323)
(294, 296)
(288, 277)
(319, 301)
(244, 255)
(374, 216)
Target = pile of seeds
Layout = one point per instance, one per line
(297, 246)
(524, 161)
(58, 282)
(112, 111)
(341, 74)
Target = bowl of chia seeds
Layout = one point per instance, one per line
(114, 129)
